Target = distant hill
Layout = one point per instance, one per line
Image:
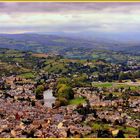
(42, 43)
(61, 44)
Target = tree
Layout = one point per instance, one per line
(81, 80)
(120, 134)
(64, 80)
(63, 101)
(39, 92)
(124, 76)
(64, 91)
(104, 134)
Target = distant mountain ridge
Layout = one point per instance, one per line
(59, 44)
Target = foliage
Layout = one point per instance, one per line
(39, 92)
(64, 80)
(80, 80)
(64, 91)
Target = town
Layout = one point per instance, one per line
(91, 98)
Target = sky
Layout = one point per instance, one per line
(109, 17)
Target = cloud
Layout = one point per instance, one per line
(62, 7)
(69, 17)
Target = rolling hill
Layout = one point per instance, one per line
(62, 45)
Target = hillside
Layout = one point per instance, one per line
(67, 46)
(42, 43)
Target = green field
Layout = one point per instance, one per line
(115, 85)
(106, 84)
(28, 75)
(77, 101)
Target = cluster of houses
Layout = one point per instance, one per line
(112, 109)
(21, 115)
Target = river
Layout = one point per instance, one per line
(49, 99)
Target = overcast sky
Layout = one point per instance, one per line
(69, 17)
